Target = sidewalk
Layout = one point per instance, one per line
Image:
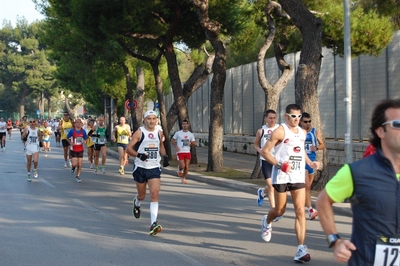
(240, 162)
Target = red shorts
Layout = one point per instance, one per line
(183, 156)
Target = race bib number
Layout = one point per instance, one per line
(152, 152)
(307, 146)
(123, 137)
(78, 141)
(94, 139)
(387, 251)
(185, 145)
(101, 140)
(295, 163)
(32, 140)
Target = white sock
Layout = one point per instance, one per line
(263, 194)
(153, 211)
(137, 202)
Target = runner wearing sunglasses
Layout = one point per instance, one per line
(288, 174)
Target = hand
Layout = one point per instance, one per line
(315, 165)
(165, 161)
(342, 250)
(285, 167)
(142, 156)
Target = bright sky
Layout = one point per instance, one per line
(10, 9)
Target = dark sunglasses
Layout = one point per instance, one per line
(393, 124)
(306, 121)
(33, 121)
(66, 115)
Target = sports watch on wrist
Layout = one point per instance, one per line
(331, 239)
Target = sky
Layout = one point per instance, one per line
(10, 9)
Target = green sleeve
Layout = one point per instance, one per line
(340, 187)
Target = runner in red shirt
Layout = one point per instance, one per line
(77, 138)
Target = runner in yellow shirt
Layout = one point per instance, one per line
(122, 135)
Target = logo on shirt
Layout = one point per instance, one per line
(150, 136)
(297, 149)
(286, 141)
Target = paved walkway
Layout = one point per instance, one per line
(241, 162)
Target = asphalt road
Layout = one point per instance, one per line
(55, 221)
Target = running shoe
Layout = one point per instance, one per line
(103, 170)
(184, 181)
(72, 170)
(266, 231)
(136, 210)
(35, 175)
(155, 229)
(91, 166)
(122, 172)
(69, 163)
(78, 180)
(120, 169)
(65, 165)
(278, 218)
(312, 213)
(29, 178)
(95, 170)
(260, 198)
(302, 255)
(45, 155)
(4, 148)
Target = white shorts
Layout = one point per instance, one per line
(31, 149)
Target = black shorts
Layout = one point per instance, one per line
(288, 187)
(142, 175)
(65, 143)
(266, 169)
(3, 134)
(57, 134)
(98, 147)
(76, 154)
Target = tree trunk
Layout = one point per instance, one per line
(137, 114)
(271, 92)
(215, 139)
(307, 76)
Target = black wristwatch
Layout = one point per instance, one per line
(331, 239)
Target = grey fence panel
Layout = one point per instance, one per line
(259, 100)
(393, 55)
(228, 102)
(237, 108)
(247, 100)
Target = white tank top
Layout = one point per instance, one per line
(266, 135)
(150, 145)
(33, 138)
(291, 149)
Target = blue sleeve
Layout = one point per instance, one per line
(69, 135)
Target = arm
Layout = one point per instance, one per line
(113, 134)
(276, 137)
(321, 144)
(173, 141)
(162, 148)
(135, 138)
(257, 141)
(342, 248)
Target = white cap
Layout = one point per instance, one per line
(150, 112)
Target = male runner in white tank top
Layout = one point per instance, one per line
(288, 174)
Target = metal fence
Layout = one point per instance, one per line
(374, 79)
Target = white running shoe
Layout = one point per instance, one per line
(266, 231)
(302, 255)
(35, 175)
(65, 165)
(103, 170)
(91, 166)
(312, 213)
(78, 180)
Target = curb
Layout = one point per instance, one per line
(338, 208)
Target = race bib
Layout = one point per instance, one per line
(94, 139)
(152, 152)
(295, 163)
(78, 141)
(32, 140)
(101, 140)
(387, 251)
(123, 137)
(307, 146)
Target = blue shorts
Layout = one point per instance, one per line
(46, 140)
(122, 145)
(310, 170)
(266, 168)
(142, 175)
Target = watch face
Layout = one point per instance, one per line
(331, 239)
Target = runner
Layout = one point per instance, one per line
(3, 133)
(89, 143)
(99, 137)
(64, 127)
(76, 138)
(33, 137)
(122, 135)
(46, 133)
(9, 127)
(57, 134)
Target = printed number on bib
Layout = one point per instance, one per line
(152, 153)
(387, 252)
(295, 162)
(32, 140)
